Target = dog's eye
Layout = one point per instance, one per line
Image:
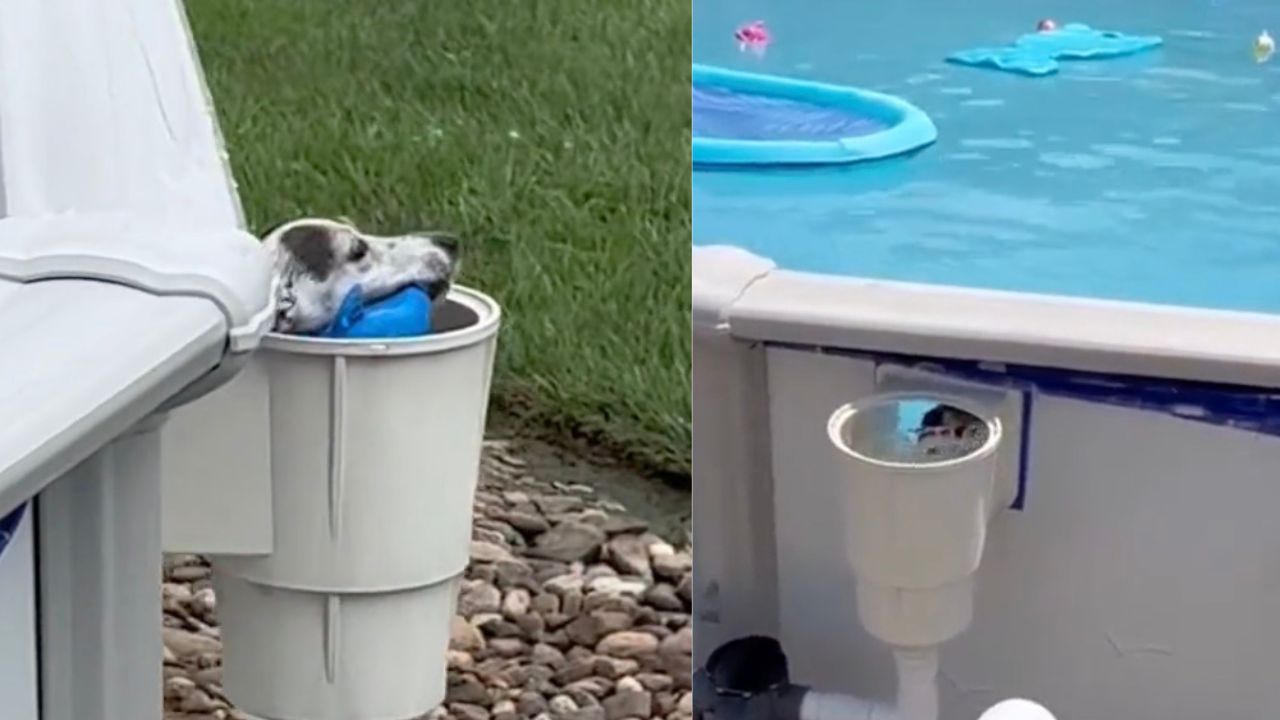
(359, 250)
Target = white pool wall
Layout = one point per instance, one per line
(1142, 578)
(736, 583)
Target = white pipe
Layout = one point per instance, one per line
(1017, 709)
(834, 706)
(917, 694)
(917, 683)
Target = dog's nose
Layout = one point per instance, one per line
(436, 288)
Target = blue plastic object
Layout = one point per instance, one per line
(406, 313)
(9, 526)
(1037, 54)
(748, 119)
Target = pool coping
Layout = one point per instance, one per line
(739, 294)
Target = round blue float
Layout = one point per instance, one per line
(749, 119)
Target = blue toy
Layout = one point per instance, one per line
(406, 313)
(1037, 54)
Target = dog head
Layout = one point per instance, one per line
(318, 261)
(948, 428)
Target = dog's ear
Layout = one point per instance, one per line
(448, 242)
(312, 248)
(936, 417)
(359, 249)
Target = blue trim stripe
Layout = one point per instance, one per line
(9, 526)
(1024, 451)
(1243, 407)
(1240, 407)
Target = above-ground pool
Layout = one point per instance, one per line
(1095, 255)
(1154, 178)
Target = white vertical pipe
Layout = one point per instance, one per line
(917, 683)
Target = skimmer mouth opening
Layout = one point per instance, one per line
(913, 429)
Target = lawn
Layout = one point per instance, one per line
(553, 134)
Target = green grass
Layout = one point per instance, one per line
(553, 134)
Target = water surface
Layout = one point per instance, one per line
(1154, 178)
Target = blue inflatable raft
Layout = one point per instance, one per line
(748, 119)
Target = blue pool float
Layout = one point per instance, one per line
(749, 119)
(1037, 54)
(406, 313)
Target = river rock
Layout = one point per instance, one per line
(464, 636)
(487, 552)
(663, 597)
(671, 567)
(548, 656)
(513, 572)
(596, 687)
(583, 630)
(628, 704)
(532, 625)
(545, 603)
(531, 704)
(676, 654)
(507, 647)
(628, 645)
(504, 710)
(186, 644)
(629, 555)
(557, 504)
(617, 524)
(487, 532)
(617, 586)
(468, 689)
(561, 705)
(527, 522)
(569, 541)
(655, 682)
(516, 603)
(481, 597)
(614, 668)
(685, 588)
(575, 669)
(563, 584)
(467, 711)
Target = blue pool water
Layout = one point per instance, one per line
(1154, 178)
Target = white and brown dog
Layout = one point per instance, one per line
(317, 262)
(950, 430)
